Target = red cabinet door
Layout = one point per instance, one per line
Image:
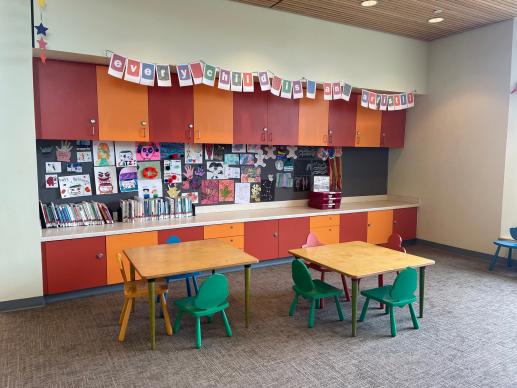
(261, 239)
(282, 120)
(292, 234)
(404, 222)
(353, 227)
(185, 234)
(171, 113)
(393, 128)
(342, 122)
(250, 117)
(65, 98)
(70, 265)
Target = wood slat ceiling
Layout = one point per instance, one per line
(402, 17)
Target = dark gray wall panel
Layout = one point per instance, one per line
(365, 171)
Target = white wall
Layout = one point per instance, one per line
(454, 157)
(238, 36)
(20, 256)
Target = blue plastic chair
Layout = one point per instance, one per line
(510, 244)
(186, 276)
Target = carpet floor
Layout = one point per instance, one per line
(468, 337)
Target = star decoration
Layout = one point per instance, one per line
(292, 152)
(260, 159)
(270, 152)
(42, 56)
(42, 44)
(41, 29)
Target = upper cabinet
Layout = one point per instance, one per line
(250, 117)
(171, 113)
(393, 128)
(368, 126)
(313, 121)
(213, 115)
(342, 122)
(65, 100)
(123, 113)
(282, 120)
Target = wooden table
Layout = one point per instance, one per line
(159, 261)
(360, 260)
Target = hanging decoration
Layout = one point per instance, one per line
(200, 72)
(41, 32)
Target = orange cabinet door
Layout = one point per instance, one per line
(224, 230)
(380, 226)
(235, 241)
(313, 123)
(116, 244)
(368, 126)
(213, 115)
(320, 221)
(122, 107)
(327, 234)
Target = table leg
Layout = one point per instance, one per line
(422, 286)
(247, 275)
(355, 289)
(152, 311)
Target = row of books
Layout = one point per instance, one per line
(138, 209)
(74, 214)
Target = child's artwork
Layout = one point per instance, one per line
(105, 180)
(247, 159)
(192, 179)
(254, 148)
(125, 153)
(242, 192)
(284, 180)
(104, 154)
(301, 183)
(150, 188)
(281, 152)
(209, 192)
(238, 148)
(75, 186)
(255, 192)
(147, 151)
(250, 174)
(172, 171)
(64, 152)
(232, 159)
(214, 170)
(288, 165)
(172, 150)
(193, 153)
(173, 191)
(321, 184)
(319, 167)
(74, 167)
(232, 172)
(214, 152)
(128, 179)
(267, 190)
(52, 167)
(194, 196)
(51, 181)
(226, 190)
(84, 156)
(149, 171)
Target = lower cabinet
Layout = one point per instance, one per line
(353, 227)
(184, 234)
(292, 234)
(380, 226)
(71, 265)
(261, 239)
(232, 234)
(326, 228)
(404, 222)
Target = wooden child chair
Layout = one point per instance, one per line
(312, 241)
(139, 289)
(510, 244)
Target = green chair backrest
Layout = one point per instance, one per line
(405, 285)
(301, 275)
(213, 292)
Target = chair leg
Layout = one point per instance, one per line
(226, 324)
(165, 313)
(338, 306)
(413, 316)
(494, 260)
(393, 324)
(318, 303)
(189, 291)
(198, 332)
(345, 287)
(386, 310)
(509, 264)
(210, 318)
(293, 305)
(196, 287)
(177, 322)
(322, 303)
(122, 312)
(363, 311)
(380, 282)
(125, 320)
(311, 313)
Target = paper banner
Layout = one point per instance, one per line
(327, 91)
(310, 89)
(391, 103)
(410, 100)
(372, 100)
(403, 101)
(264, 81)
(117, 65)
(336, 91)
(297, 90)
(347, 92)
(396, 101)
(42, 3)
(236, 81)
(163, 74)
(384, 102)
(276, 85)
(377, 101)
(247, 82)
(209, 75)
(196, 69)
(287, 89)
(147, 71)
(132, 73)
(365, 96)
(184, 77)
(225, 77)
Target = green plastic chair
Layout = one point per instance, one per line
(211, 299)
(400, 294)
(313, 290)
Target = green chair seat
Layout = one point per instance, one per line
(382, 295)
(189, 305)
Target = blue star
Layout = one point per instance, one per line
(41, 29)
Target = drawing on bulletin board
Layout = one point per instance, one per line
(172, 171)
(255, 192)
(75, 186)
(128, 179)
(146, 151)
(231, 159)
(238, 148)
(253, 148)
(193, 196)
(52, 167)
(267, 190)
(105, 180)
(149, 170)
(214, 152)
(104, 153)
(172, 150)
(214, 170)
(250, 174)
(242, 193)
(74, 167)
(64, 151)
(150, 188)
(209, 191)
(247, 159)
(226, 190)
(193, 153)
(125, 153)
(232, 172)
(51, 181)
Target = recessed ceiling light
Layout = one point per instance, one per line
(368, 3)
(435, 20)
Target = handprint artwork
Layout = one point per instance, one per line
(64, 152)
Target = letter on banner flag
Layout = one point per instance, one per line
(391, 102)
(297, 90)
(310, 89)
(384, 102)
(372, 100)
(276, 85)
(209, 75)
(247, 82)
(184, 77)
(163, 74)
(403, 101)
(132, 71)
(410, 100)
(396, 99)
(225, 77)
(347, 92)
(336, 91)
(327, 91)
(365, 97)
(378, 101)
(236, 81)
(264, 81)
(196, 69)
(147, 74)
(287, 89)
(117, 65)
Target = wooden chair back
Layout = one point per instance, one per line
(121, 267)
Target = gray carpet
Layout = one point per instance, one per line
(468, 337)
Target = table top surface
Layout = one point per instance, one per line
(157, 261)
(358, 259)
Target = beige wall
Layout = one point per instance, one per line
(454, 158)
(20, 257)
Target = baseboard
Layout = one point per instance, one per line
(460, 251)
(22, 304)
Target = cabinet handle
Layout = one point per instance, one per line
(325, 139)
(92, 122)
(275, 234)
(187, 133)
(270, 137)
(197, 134)
(231, 226)
(190, 126)
(99, 256)
(395, 222)
(263, 136)
(369, 225)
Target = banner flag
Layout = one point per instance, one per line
(147, 74)
(247, 82)
(378, 101)
(287, 89)
(372, 100)
(163, 74)
(403, 101)
(365, 97)
(310, 89)
(225, 79)
(236, 81)
(276, 85)
(336, 91)
(396, 99)
(132, 73)
(327, 91)
(384, 102)
(264, 81)
(184, 77)
(196, 69)
(347, 92)
(209, 74)
(391, 102)
(410, 100)
(297, 90)
(117, 65)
